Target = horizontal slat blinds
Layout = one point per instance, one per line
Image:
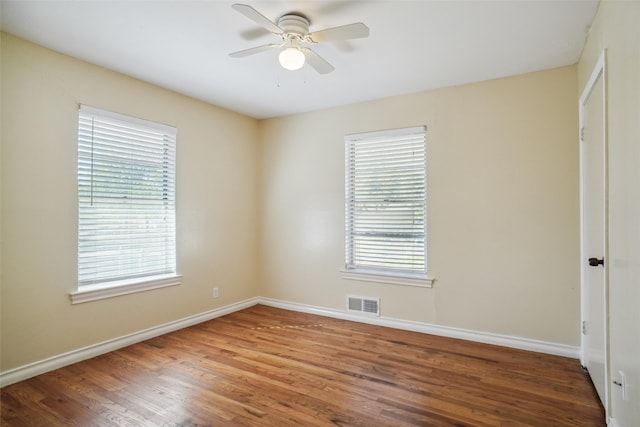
(126, 191)
(386, 201)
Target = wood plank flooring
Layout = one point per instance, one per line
(269, 367)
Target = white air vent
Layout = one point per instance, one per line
(366, 305)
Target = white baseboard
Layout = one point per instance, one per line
(27, 371)
(445, 331)
(31, 370)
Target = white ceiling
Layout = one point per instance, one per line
(413, 45)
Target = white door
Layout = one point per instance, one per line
(594, 231)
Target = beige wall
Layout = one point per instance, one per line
(503, 208)
(616, 29)
(216, 204)
(503, 205)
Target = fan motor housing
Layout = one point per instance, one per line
(294, 24)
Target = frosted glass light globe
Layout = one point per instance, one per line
(291, 58)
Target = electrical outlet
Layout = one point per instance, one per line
(623, 384)
(215, 292)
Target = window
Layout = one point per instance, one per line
(385, 206)
(126, 195)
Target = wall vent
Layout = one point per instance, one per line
(365, 305)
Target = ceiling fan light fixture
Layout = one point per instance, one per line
(291, 58)
(293, 30)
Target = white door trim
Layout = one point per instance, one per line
(599, 71)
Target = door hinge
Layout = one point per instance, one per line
(584, 327)
(582, 134)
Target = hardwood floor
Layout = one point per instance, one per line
(269, 367)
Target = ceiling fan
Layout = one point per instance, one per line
(293, 29)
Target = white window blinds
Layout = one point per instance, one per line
(386, 201)
(126, 190)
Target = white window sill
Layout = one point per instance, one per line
(113, 289)
(395, 279)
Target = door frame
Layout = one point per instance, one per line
(599, 71)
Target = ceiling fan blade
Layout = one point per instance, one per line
(345, 32)
(317, 62)
(254, 50)
(257, 17)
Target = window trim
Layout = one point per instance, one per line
(418, 280)
(111, 289)
(388, 276)
(102, 289)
